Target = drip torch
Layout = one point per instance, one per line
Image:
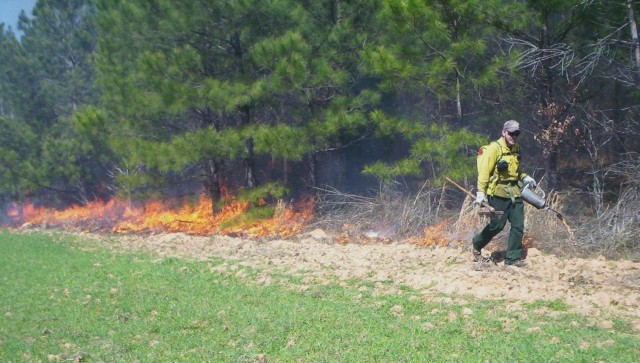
(528, 195)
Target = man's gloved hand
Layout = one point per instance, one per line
(480, 198)
(529, 180)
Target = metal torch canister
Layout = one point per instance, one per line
(533, 198)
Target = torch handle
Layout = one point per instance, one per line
(484, 204)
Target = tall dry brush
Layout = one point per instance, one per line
(617, 229)
(389, 212)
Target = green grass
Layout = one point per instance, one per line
(61, 302)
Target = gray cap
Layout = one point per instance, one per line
(511, 126)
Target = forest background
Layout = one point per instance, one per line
(272, 100)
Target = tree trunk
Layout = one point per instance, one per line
(552, 168)
(212, 184)
(334, 9)
(237, 51)
(634, 32)
(249, 164)
(459, 101)
(546, 100)
(313, 169)
(249, 159)
(285, 171)
(212, 167)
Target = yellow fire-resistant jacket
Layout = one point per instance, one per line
(490, 180)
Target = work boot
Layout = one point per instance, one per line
(518, 263)
(477, 256)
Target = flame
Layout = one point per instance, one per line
(434, 235)
(163, 217)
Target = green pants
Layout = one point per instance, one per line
(514, 213)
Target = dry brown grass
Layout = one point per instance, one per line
(393, 214)
(390, 212)
(615, 230)
(551, 230)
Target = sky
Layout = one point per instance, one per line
(10, 10)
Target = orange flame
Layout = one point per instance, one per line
(434, 235)
(158, 217)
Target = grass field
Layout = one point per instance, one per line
(63, 299)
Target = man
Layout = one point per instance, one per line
(498, 177)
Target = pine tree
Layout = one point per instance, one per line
(335, 95)
(182, 78)
(204, 83)
(46, 77)
(436, 57)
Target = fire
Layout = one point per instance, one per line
(434, 235)
(162, 217)
(286, 221)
